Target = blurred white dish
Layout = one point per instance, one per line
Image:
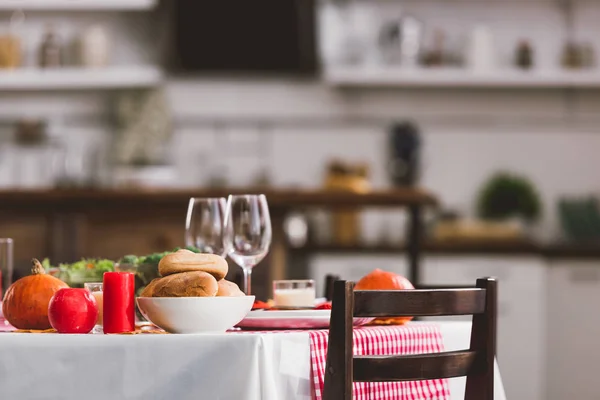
(291, 319)
(195, 314)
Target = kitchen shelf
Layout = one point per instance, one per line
(576, 250)
(278, 198)
(430, 246)
(77, 5)
(80, 78)
(459, 78)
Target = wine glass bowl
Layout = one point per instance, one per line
(247, 236)
(204, 225)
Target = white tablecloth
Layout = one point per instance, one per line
(237, 366)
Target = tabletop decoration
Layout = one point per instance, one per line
(140, 328)
(323, 306)
(270, 316)
(247, 232)
(145, 267)
(95, 289)
(143, 331)
(73, 310)
(261, 305)
(51, 330)
(119, 303)
(80, 272)
(296, 293)
(384, 280)
(204, 224)
(25, 304)
(191, 295)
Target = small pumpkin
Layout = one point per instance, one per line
(26, 301)
(384, 280)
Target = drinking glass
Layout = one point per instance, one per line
(247, 232)
(6, 264)
(95, 288)
(204, 225)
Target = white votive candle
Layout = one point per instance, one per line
(96, 289)
(299, 293)
(99, 300)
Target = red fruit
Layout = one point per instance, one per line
(73, 311)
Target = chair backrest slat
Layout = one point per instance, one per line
(415, 367)
(419, 302)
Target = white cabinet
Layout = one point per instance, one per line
(573, 327)
(521, 309)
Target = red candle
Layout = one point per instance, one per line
(119, 306)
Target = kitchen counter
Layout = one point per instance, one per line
(280, 198)
(66, 225)
(72, 223)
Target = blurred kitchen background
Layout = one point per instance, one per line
(490, 105)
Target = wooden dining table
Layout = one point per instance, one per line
(240, 365)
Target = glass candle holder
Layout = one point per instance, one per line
(294, 293)
(95, 288)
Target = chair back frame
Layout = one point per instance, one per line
(476, 363)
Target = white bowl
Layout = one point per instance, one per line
(195, 314)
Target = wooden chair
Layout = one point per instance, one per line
(330, 280)
(476, 363)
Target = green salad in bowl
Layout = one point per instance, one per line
(87, 270)
(80, 272)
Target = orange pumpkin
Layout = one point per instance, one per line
(384, 280)
(25, 304)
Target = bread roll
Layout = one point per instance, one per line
(186, 261)
(149, 289)
(230, 289)
(187, 284)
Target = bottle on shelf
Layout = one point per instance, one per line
(481, 49)
(524, 55)
(94, 47)
(10, 52)
(10, 44)
(51, 50)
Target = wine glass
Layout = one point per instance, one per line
(247, 232)
(204, 225)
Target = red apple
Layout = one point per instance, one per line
(73, 311)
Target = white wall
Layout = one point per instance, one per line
(467, 135)
(298, 125)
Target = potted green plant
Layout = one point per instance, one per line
(507, 196)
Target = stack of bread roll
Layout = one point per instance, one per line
(188, 274)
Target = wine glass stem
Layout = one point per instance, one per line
(247, 279)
